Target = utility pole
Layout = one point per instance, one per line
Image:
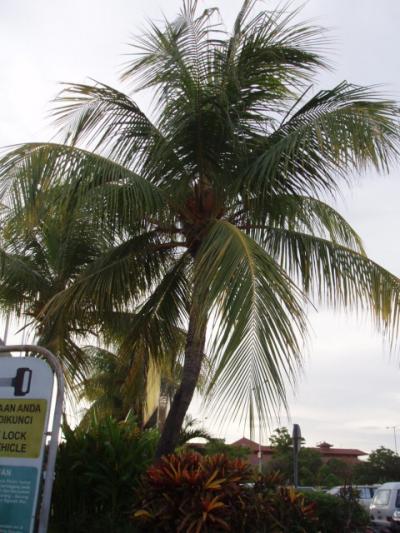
(259, 447)
(259, 454)
(296, 436)
(394, 436)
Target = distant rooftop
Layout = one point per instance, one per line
(323, 447)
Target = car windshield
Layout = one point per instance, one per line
(382, 497)
(398, 499)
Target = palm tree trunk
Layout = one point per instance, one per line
(194, 353)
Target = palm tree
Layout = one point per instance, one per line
(218, 200)
(41, 252)
(192, 429)
(115, 385)
(102, 386)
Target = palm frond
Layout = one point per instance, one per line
(119, 277)
(157, 325)
(267, 57)
(192, 429)
(337, 132)
(111, 123)
(258, 322)
(175, 58)
(338, 276)
(298, 213)
(82, 174)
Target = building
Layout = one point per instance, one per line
(327, 451)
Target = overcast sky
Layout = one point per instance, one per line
(349, 391)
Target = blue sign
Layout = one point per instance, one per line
(17, 498)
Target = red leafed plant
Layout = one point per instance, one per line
(195, 494)
(190, 493)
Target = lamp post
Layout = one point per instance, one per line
(259, 448)
(296, 436)
(259, 453)
(394, 436)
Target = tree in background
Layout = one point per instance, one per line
(282, 458)
(218, 446)
(215, 207)
(281, 439)
(312, 470)
(382, 465)
(335, 472)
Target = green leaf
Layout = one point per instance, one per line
(257, 323)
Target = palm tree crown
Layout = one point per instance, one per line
(216, 204)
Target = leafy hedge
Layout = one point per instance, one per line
(96, 472)
(340, 513)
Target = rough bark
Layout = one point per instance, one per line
(194, 353)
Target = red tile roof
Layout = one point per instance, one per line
(247, 443)
(339, 451)
(324, 450)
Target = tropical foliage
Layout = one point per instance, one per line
(194, 494)
(312, 470)
(97, 469)
(113, 387)
(382, 465)
(192, 429)
(339, 513)
(209, 214)
(42, 250)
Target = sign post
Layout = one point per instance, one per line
(26, 392)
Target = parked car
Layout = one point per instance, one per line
(385, 507)
(365, 493)
(306, 488)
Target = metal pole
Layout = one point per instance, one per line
(6, 328)
(295, 468)
(55, 432)
(259, 447)
(394, 437)
(296, 436)
(259, 428)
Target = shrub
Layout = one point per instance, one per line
(190, 493)
(339, 513)
(289, 512)
(96, 472)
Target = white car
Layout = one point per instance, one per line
(385, 506)
(365, 493)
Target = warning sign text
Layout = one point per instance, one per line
(21, 427)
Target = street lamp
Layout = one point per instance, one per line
(296, 436)
(394, 436)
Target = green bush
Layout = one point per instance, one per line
(97, 470)
(338, 513)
